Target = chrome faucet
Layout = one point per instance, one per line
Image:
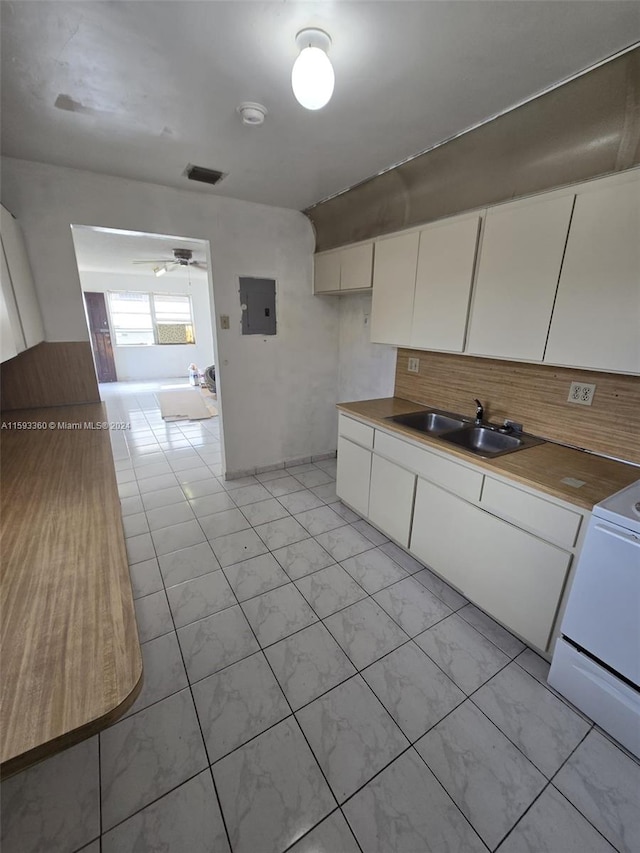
(479, 412)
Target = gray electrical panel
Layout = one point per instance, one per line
(258, 303)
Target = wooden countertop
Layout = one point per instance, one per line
(542, 467)
(71, 660)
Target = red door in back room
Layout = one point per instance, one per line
(100, 337)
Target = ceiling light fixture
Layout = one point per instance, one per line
(312, 77)
(158, 271)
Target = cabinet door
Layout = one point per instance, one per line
(12, 334)
(519, 266)
(443, 284)
(511, 574)
(356, 267)
(354, 475)
(596, 319)
(8, 314)
(22, 279)
(391, 499)
(394, 281)
(326, 277)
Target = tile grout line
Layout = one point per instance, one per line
(195, 708)
(557, 695)
(359, 671)
(154, 800)
(549, 783)
(206, 753)
(261, 650)
(294, 712)
(447, 794)
(313, 828)
(519, 748)
(365, 596)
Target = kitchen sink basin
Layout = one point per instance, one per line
(432, 423)
(489, 441)
(483, 440)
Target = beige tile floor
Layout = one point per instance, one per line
(310, 687)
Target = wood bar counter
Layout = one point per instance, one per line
(70, 656)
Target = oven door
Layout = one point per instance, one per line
(603, 611)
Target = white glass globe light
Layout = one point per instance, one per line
(312, 76)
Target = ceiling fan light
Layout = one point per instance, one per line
(312, 76)
(158, 271)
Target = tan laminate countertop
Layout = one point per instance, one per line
(70, 654)
(542, 467)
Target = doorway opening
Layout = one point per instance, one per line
(148, 301)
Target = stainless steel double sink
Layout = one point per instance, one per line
(485, 440)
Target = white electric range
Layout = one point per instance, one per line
(596, 661)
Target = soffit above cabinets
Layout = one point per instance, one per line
(140, 90)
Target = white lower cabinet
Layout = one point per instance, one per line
(515, 576)
(391, 499)
(354, 475)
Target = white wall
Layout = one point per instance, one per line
(366, 370)
(277, 394)
(159, 362)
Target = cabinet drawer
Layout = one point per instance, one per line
(456, 478)
(361, 433)
(551, 521)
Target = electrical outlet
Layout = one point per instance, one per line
(224, 321)
(581, 393)
(414, 365)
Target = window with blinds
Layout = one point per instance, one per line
(145, 319)
(174, 324)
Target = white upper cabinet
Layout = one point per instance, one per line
(394, 281)
(520, 261)
(344, 269)
(356, 267)
(555, 278)
(596, 319)
(17, 285)
(444, 277)
(326, 278)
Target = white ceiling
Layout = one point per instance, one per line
(152, 86)
(107, 250)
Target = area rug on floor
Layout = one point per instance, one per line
(183, 405)
(209, 401)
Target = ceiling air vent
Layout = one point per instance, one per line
(205, 176)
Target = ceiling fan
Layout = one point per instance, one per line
(181, 258)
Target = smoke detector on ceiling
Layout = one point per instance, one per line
(251, 113)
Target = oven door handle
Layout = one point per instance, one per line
(618, 532)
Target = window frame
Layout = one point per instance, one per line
(151, 295)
